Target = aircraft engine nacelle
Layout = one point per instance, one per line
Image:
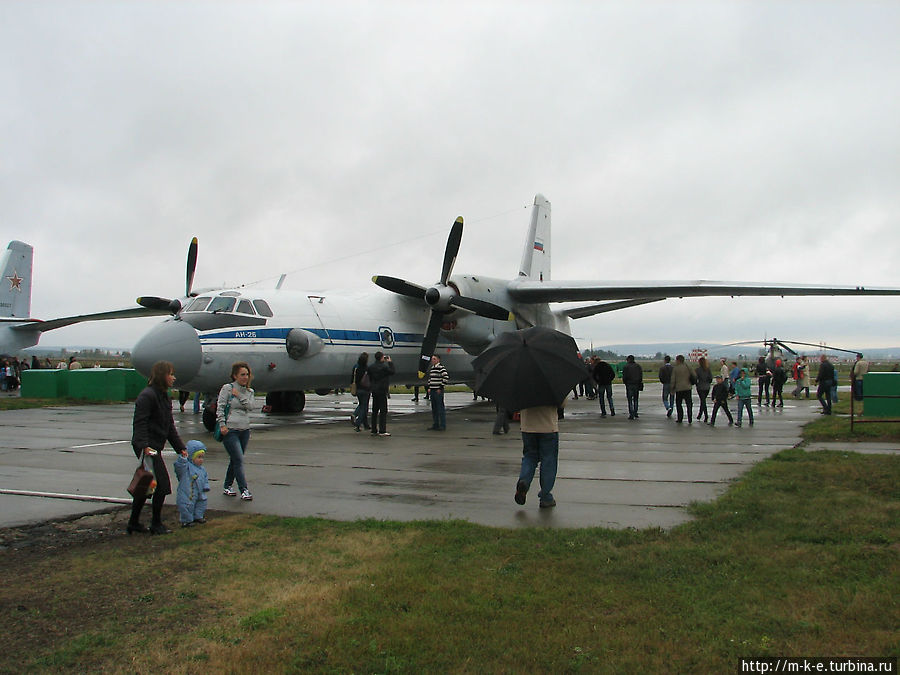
(301, 343)
(471, 332)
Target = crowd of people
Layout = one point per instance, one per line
(681, 383)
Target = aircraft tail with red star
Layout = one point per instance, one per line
(15, 286)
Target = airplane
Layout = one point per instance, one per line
(18, 330)
(296, 341)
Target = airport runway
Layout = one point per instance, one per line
(613, 472)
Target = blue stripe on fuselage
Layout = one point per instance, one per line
(361, 337)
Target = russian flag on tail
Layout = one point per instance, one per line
(539, 246)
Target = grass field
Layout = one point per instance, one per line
(801, 557)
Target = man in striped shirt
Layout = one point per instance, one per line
(437, 380)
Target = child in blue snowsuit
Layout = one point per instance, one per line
(193, 484)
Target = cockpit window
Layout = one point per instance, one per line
(244, 307)
(262, 307)
(197, 305)
(221, 305)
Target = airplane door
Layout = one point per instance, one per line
(328, 318)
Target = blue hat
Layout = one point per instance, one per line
(195, 448)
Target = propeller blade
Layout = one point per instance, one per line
(450, 252)
(486, 309)
(400, 286)
(191, 267)
(429, 343)
(163, 304)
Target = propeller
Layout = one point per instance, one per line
(191, 268)
(442, 297)
(174, 305)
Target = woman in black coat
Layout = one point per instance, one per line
(153, 426)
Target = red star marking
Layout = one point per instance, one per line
(15, 282)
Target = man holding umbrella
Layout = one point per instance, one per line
(532, 370)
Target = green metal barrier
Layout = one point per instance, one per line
(881, 394)
(93, 384)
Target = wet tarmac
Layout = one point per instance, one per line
(613, 472)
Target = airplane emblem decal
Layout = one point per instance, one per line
(15, 282)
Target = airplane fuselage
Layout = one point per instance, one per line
(312, 339)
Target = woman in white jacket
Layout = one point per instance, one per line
(239, 399)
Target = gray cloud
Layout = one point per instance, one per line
(746, 141)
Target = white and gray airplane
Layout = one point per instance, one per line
(296, 341)
(18, 330)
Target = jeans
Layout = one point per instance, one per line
(723, 405)
(501, 422)
(236, 442)
(858, 389)
(684, 397)
(824, 396)
(668, 396)
(543, 449)
(379, 412)
(777, 393)
(744, 403)
(361, 413)
(762, 383)
(438, 411)
(632, 392)
(605, 390)
(702, 394)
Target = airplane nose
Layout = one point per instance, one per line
(174, 341)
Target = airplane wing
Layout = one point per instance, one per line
(43, 326)
(530, 291)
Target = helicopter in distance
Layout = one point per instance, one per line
(775, 348)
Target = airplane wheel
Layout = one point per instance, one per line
(286, 401)
(294, 401)
(209, 417)
(275, 400)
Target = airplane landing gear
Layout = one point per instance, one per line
(286, 401)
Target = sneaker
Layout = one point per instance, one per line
(521, 490)
(669, 412)
(246, 496)
(385, 433)
(190, 524)
(548, 505)
(612, 414)
(229, 491)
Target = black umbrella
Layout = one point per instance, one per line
(527, 368)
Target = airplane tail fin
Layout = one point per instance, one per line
(535, 263)
(15, 286)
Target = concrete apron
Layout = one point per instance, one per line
(613, 472)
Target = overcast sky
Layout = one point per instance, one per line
(737, 141)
